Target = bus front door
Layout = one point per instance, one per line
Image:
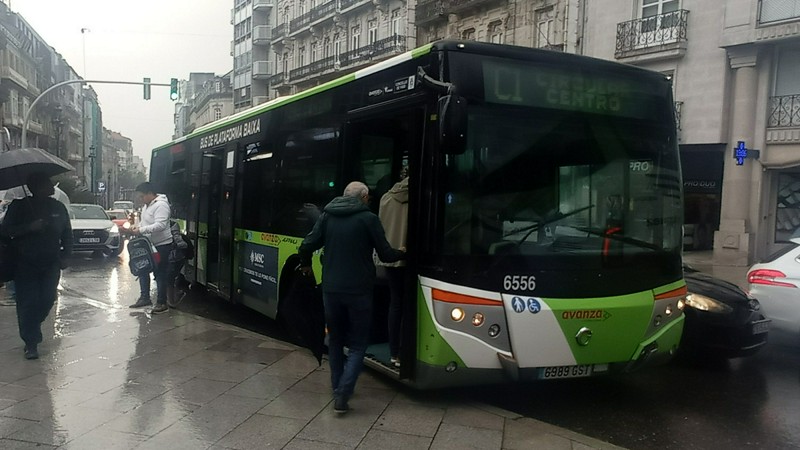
(209, 210)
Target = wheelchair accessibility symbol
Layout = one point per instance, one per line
(534, 306)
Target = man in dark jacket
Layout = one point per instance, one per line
(349, 231)
(41, 238)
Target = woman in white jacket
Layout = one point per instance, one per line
(154, 224)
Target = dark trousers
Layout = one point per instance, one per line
(161, 275)
(349, 318)
(37, 289)
(396, 276)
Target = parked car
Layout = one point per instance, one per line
(126, 205)
(123, 219)
(776, 282)
(721, 319)
(93, 230)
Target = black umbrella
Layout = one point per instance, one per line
(17, 165)
(305, 314)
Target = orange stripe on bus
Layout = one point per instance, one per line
(673, 293)
(452, 297)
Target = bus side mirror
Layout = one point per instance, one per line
(453, 124)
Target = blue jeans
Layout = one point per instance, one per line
(349, 318)
(160, 274)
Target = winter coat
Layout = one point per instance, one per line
(393, 213)
(40, 248)
(349, 231)
(154, 222)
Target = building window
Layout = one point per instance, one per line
(397, 23)
(285, 64)
(787, 217)
(301, 8)
(652, 11)
(355, 38)
(544, 34)
(217, 114)
(326, 48)
(468, 34)
(301, 57)
(496, 32)
(373, 31)
(337, 46)
(314, 51)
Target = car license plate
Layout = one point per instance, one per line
(89, 240)
(550, 373)
(760, 326)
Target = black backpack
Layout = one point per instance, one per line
(144, 257)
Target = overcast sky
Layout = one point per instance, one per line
(128, 40)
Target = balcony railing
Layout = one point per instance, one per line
(651, 32)
(460, 5)
(278, 78)
(429, 11)
(374, 50)
(778, 10)
(258, 4)
(344, 4)
(262, 34)
(313, 69)
(324, 10)
(279, 32)
(784, 111)
(299, 22)
(678, 107)
(261, 70)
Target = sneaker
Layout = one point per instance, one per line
(395, 361)
(141, 303)
(31, 352)
(340, 405)
(159, 308)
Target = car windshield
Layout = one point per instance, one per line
(116, 214)
(123, 205)
(87, 212)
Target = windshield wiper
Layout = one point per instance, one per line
(619, 237)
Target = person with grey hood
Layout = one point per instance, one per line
(349, 232)
(393, 213)
(154, 224)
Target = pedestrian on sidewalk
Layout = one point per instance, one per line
(154, 224)
(41, 239)
(349, 232)
(393, 213)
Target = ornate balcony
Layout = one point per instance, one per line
(385, 46)
(650, 34)
(455, 6)
(344, 4)
(299, 22)
(277, 79)
(784, 111)
(279, 32)
(315, 68)
(430, 11)
(322, 11)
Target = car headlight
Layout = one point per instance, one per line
(709, 304)
(126, 225)
(114, 229)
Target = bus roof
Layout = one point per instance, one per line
(481, 47)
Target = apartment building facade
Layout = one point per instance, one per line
(253, 22)
(734, 66)
(204, 98)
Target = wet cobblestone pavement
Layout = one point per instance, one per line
(112, 377)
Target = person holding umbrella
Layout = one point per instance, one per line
(41, 238)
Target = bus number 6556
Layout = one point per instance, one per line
(519, 283)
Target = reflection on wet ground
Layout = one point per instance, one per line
(112, 377)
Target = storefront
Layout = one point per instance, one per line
(702, 166)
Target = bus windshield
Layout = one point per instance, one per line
(536, 182)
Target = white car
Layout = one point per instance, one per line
(93, 230)
(775, 282)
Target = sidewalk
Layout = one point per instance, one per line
(109, 377)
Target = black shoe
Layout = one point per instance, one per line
(159, 308)
(141, 303)
(31, 352)
(340, 405)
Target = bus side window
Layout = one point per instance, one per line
(376, 154)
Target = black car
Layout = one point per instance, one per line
(721, 319)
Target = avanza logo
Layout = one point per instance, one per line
(586, 314)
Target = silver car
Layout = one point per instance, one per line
(775, 282)
(93, 230)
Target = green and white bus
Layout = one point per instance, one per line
(545, 205)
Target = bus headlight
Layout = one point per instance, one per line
(477, 319)
(681, 304)
(457, 314)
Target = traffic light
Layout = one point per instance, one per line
(173, 89)
(146, 85)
